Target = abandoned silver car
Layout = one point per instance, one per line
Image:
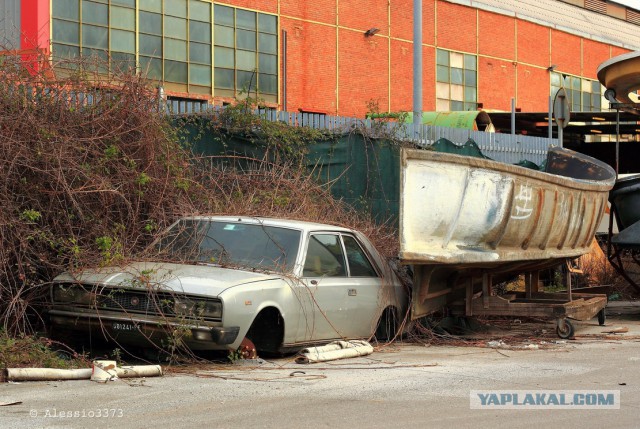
(217, 280)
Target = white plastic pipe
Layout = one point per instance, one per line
(50, 374)
(334, 351)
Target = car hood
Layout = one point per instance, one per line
(190, 279)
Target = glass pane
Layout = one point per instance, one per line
(246, 81)
(100, 55)
(151, 67)
(575, 83)
(442, 105)
(245, 19)
(130, 3)
(123, 41)
(457, 92)
(556, 80)
(175, 71)
(469, 94)
(268, 83)
(123, 18)
(324, 257)
(359, 265)
(245, 60)
(457, 76)
(200, 53)
(470, 106)
(442, 57)
(456, 106)
(61, 52)
(125, 63)
(596, 88)
(223, 15)
(199, 75)
(224, 57)
(267, 43)
(95, 13)
(586, 102)
(246, 40)
(596, 102)
(470, 62)
(96, 37)
(268, 64)
(586, 85)
(442, 90)
(200, 11)
(223, 78)
(175, 49)
(575, 98)
(68, 9)
(175, 27)
(96, 59)
(223, 36)
(66, 32)
(442, 74)
(457, 60)
(470, 77)
(150, 45)
(150, 23)
(176, 8)
(200, 31)
(267, 23)
(151, 5)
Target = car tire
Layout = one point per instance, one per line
(387, 325)
(267, 331)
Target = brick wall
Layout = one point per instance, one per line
(341, 76)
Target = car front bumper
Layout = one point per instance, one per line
(136, 330)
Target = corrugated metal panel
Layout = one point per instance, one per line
(9, 24)
(565, 17)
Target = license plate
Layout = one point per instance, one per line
(122, 326)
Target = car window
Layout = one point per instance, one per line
(359, 265)
(324, 257)
(231, 243)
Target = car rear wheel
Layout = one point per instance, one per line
(267, 331)
(387, 325)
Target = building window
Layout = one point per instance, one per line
(585, 95)
(245, 53)
(169, 41)
(456, 81)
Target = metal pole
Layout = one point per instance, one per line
(550, 120)
(417, 65)
(617, 141)
(284, 70)
(513, 116)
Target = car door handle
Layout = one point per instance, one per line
(353, 292)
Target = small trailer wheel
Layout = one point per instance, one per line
(602, 317)
(564, 329)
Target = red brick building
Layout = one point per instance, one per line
(341, 57)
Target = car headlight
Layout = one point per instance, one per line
(197, 307)
(72, 294)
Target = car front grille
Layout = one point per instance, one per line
(150, 303)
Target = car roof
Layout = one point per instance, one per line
(287, 223)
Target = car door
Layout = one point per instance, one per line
(365, 292)
(325, 288)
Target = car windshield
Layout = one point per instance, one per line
(231, 243)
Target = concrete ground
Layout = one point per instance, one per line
(406, 385)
